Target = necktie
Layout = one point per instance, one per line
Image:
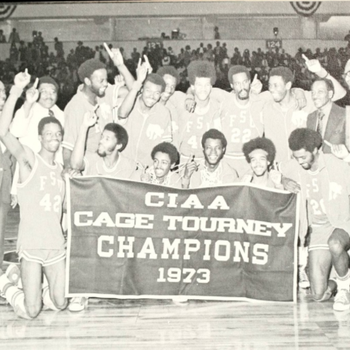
(51, 113)
(320, 116)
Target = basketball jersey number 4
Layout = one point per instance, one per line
(192, 141)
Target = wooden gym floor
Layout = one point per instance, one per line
(161, 324)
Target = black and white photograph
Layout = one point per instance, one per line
(175, 175)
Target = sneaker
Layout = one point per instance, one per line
(78, 304)
(304, 282)
(342, 301)
(13, 274)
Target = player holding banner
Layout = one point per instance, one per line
(324, 184)
(41, 193)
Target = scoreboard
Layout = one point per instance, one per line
(274, 44)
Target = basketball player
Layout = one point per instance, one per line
(41, 192)
(260, 155)
(207, 113)
(108, 159)
(214, 170)
(325, 186)
(40, 102)
(282, 115)
(164, 156)
(175, 101)
(147, 121)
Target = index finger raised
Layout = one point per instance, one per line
(36, 83)
(305, 58)
(110, 53)
(146, 59)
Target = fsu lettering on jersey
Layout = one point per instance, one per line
(40, 198)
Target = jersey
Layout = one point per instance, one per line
(315, 200)
(125, 168)
(194, 125)
(279, 123)
(176, 107)
(249, 178)
(40, 198)
(74, 116)
(146, 131)
(223, 174)
(240, 124)
(173, 179)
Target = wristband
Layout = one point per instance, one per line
(15, 90)
(325, 76)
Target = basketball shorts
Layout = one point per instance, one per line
(44, 257)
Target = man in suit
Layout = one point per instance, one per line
(328, 119)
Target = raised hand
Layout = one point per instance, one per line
(22, 79)
(190, 167)
(314, 66)
(256, 85)
(145, 174)
(275, 176)
(32, 94)
(148, 65)
(115, 55)
(141, 71)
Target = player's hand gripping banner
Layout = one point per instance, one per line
(136, 240)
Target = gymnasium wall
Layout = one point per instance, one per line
(242, 24)
(127, 29)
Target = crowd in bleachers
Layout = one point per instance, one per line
(63, 66)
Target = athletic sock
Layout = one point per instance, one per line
(344, 282)
(14, 296)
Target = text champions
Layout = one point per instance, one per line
(123, 246)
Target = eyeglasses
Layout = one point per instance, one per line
(346, 75)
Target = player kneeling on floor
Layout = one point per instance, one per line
(41, 193)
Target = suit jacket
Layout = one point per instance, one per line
(335, 128)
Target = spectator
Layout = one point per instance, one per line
(14, 37)
(2, 36)
(59, 49)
